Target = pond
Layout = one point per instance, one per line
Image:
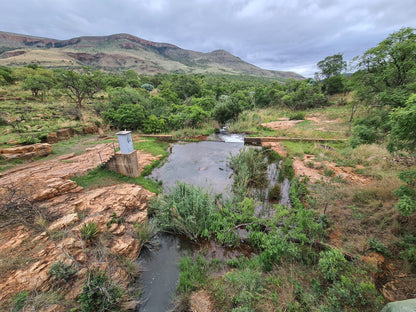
(199, 163)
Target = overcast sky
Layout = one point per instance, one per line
(273, 34)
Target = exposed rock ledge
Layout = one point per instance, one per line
(27, 151)
(68, 207)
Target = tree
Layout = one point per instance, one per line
(79, 86)
(39, 82)
(331, 71)
(6, 76)
(127, 116)
(332, 66)
(387, 72)
(226, 109)
(403, 127)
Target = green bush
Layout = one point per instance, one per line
(250, 171)
(152, 124)
(99, 293)
(407, 193)
(61, 271)
(28, 139)
(331, 264)
(147, 86)
(347, 294)
(378, 246)
(297, 116)
(127, 116)
(370, 129)
(226, 109)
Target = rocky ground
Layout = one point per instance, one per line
(47, 228)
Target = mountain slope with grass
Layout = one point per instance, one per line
(121, 52)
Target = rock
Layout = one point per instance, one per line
(101, 133)
(65, 133)
(126, 246)
(55, 188)
(66, 221)
(27, 151)
(90, 130)
(52, 138)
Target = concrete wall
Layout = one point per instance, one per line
(125, 164)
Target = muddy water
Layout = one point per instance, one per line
(161, 273)
(203, 164)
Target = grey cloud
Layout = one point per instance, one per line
(274, 34)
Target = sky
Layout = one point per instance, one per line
(289, 35)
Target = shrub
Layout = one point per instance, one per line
(250, 171)
(89, 231)
(127, 116)
(331, 263)
(99, 293)
(147, 86)
(61, 271)
(297, 116)
(28, 139)
(145, 233)
(274, 193)
(352, 295)
(152, 124)
(407, 193)
(378, 246)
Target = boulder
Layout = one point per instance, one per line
(65, 133)
(52, 138)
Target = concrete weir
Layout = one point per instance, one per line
(258, 140)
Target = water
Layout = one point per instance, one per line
(227, 137)
(161, 272)
(203, 164)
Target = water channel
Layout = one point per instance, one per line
(199, 163)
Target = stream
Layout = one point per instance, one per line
(199, 163)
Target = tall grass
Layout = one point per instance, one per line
(250, 171)
(188, 210)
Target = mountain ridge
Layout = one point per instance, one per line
(124, 51)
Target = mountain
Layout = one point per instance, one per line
(120, 52)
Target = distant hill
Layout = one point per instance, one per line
(121, 52)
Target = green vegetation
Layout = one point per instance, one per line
(19, 300)
(89, 231)
(61, 271)
(359, 199)
(99, 293)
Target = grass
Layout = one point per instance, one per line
(101, 177)
(152, 146)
